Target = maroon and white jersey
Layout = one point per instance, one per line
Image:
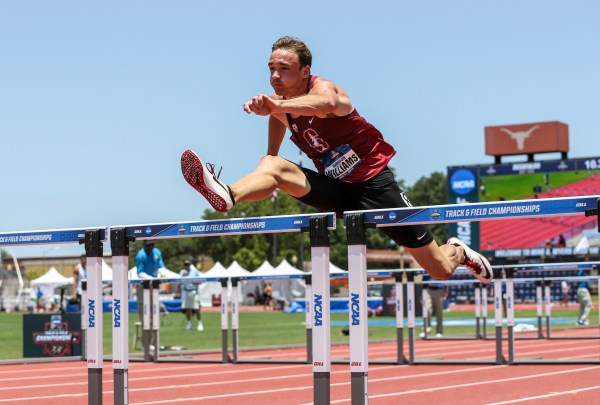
(347, 148)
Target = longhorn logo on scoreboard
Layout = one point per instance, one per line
(536, 137)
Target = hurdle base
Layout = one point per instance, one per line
(359, 387)
(94, 386)
(121, 387)
(322, 383)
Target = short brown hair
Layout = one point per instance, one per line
(296, 46)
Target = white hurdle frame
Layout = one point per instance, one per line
(318, 226)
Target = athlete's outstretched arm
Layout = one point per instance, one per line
(324, 99)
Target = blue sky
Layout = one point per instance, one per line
(97, 101)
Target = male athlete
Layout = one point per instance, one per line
(350, 155)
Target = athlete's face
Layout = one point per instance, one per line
(287, 77)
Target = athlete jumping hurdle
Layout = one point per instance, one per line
(350, 155)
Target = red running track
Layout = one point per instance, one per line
(191, 383)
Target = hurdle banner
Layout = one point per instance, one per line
(481, 211)
(222, 227)
(46, 237)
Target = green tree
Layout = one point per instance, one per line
(431, 190)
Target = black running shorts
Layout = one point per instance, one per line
(380, 192)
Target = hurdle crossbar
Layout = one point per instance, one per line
(222, 227)
(48, 236)
(497, 210)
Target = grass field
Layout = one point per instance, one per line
(257, 329)
(520, 186)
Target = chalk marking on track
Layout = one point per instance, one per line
(449, 387)
(554, 394)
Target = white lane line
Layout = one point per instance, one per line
(552, 394)
(473, 384)
(159, 388)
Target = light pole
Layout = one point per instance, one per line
(19, 276)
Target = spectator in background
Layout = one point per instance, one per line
(190, 301)
(79, 274)
(267, 296)
(482, 188)
(39, 301)
(584, 298)
(257, 296)
(436, 295)
(564, 288)
(148, 260)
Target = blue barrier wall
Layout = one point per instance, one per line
(337, 305)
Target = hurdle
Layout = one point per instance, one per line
(151, 321)
(308, 324)
(318, 227)
(357, 222)
(92, 238)
(512, 359)
(479, 310)
(543, 291)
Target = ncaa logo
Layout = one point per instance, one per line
(392, 216)
(148, 231)
(462, 181)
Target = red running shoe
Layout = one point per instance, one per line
(475, 262)
(217, 193)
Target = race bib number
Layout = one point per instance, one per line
(340, 162)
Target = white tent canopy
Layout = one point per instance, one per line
(265, 269)
(333, 269)
(235, 270)
(285, 268)
(210, 288)
(52, 278)
(218, 270)
(48, 282)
